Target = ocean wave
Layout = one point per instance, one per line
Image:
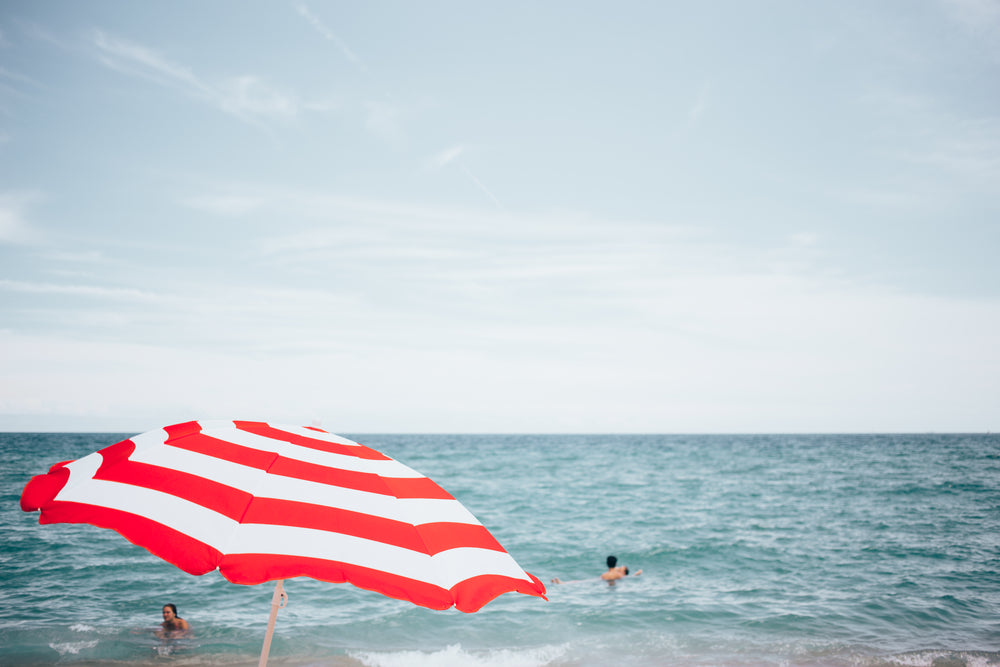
(92, 630)
(938, 658)
(72, 648)
(455, 656)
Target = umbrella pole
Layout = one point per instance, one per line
(278, 600)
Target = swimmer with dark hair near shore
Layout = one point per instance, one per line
(614, 573)
(173, 625)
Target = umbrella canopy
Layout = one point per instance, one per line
(263, 502)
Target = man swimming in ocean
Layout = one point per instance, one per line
(614, 573)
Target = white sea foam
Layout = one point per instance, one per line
(939, 657)
(91, 630)
(72, 648)
(455, 656)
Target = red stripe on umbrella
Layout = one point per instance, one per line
(261, 502)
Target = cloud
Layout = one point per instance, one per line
(444, 158)
(14, 228)
(489, 194)
(375, 221)
(969, 149)
(131, 58)
(566, 321)
(384, 121)
(42, 34)
(246, 97)
(451, 156)
(735, 352)
(229, 205)
(327, 33)
(74, 257)
(939, 154)
(10, 80)
(250, 95)
(700, 104)
(120, 293)
(981, 16)
(804, 239)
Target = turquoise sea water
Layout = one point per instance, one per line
(813, 550)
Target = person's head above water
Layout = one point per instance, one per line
(612, 561)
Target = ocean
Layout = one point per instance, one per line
(785, 550)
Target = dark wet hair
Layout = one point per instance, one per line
(173, 607)
(626, 570)
(612, 561)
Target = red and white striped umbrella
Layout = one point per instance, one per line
(262, 502)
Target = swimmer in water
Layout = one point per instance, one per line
(173, 625)
(614, 573)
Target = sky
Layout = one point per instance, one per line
(452, 217)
